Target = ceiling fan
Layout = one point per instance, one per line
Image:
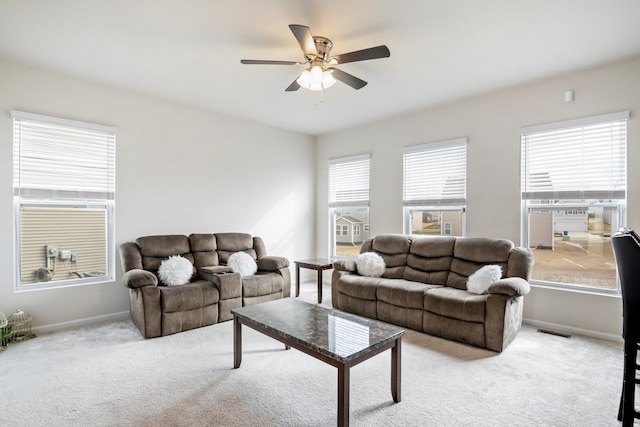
(320, 72)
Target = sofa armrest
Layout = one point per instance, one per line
(511, 286)
(137, 278)
(272, 263)
(345, 265)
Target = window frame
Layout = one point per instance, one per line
(33, 196)
(571, 205)
(350, 197)
(412, 203)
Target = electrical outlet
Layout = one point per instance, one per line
(64, 254)
(51, 251)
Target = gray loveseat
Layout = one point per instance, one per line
(424, 287)
(214, 290)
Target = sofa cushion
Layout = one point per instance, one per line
(197, 294)
(229, 243)
(472, 253)
(432, 247)
(520, 263)
(163, 246)
(357, 286)
(393, 248)
(155, 249)
(456, 304)
(203, 248)
(402, 293)
(483, 249)
(429, 259)
(262, 284)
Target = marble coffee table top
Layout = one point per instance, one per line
(341, 336)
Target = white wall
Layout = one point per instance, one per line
(492, 123)
(178, 170)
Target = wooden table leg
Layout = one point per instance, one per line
(320, 286)
(297, 280)
(396, 370)
(343, 395)
(237, 342)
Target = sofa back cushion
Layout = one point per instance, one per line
(472, 253)
(393, 248)
(229, 243)
(429, 259)
(520, 263)
(155, 249)
(203, 248)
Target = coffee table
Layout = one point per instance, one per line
(337, 338)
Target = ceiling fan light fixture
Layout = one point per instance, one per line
(327, 79)
(319, 73)
(315, 78)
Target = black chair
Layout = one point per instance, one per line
(626, 249)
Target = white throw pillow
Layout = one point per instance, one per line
(370, 264)
(479, 282)
(175, 271)
(243, 263)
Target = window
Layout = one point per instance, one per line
(348, 204)
(342, 230)
(574, 186)
(447, 229)
(435, 185)
(64, 200)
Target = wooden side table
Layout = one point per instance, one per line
(318, 264)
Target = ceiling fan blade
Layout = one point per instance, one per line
(293, 86)
(304, 37)
(267, 62)
(348, 79)
(381, 51)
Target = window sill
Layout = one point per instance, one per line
(576, 289)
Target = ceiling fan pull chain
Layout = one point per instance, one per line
(321, 93)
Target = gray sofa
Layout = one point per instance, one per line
(424, 287)
(214, 290)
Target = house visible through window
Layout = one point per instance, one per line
(64, 200)
(574, 187)
(435, 186)
(349, 204)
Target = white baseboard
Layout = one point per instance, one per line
(572, 330)
(80, 322)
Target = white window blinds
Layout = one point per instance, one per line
(435, 174)
(575, 160)
(57, 158)
(349, 181)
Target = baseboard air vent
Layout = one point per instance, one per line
(557, 333)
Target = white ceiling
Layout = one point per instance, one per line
(189, 51)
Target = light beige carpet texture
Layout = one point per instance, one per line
(108, 375)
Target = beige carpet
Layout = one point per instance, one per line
(108, 375)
